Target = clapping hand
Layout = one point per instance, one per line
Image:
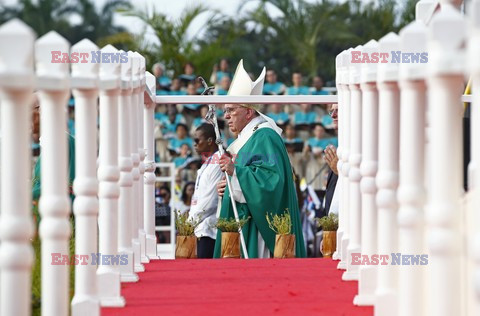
(331, 158)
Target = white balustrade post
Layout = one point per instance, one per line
(355, 158)
(338, 63)
(125, 203)
(411, 191)
(387, 176)
(368, 168)
(16, 225)
(473, 63)
(346, 108)
(141, 166)
(149, 192)
(138, 266)
(55, 204)
(108, 276)
(446, 38)
(85, 186)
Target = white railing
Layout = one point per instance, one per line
(113, 207)
(409, 118)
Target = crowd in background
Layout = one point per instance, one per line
(308, 129)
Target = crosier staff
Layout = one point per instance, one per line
(211, 118)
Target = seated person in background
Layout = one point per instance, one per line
(162, 212)
(185, 152)
(188, 74)
(180, 139)
(224, 86)
(327, 121)
(170, 121)
(163, 82)
(305, 117)
(297, 87)
(272, 86)
(319, 142)
(191, 90)
(317, 86)
(278, 115)
(176, 88)
(218, 75)
(291, 138)
(199, 120)
(183, 206)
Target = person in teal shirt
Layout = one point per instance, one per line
(320, 142)
(176, 88)
(317, 88)
(163, 82)
(218, 75)
(272, 86)
(297, 88)
(180, 139)
(306, 116)
(280, 117)
(224, 86)
(170, 121)
(191, 90)
(185, 152)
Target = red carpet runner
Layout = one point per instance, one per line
(240, 287)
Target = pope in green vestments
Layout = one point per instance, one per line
(262, 177)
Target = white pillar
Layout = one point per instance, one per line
(16, 226)
(355, 158)
(149, 192)
(338, 63)
(108, 276)
(474, 178)
(55, 204)
(141, 166)
(125, 202)
(346, 107)
(387, 176)
(138, 266)
(411, 191)
(445, 81)
(85, 187)
(368, 168)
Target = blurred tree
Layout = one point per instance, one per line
(46, 15)
(176, 47)
(96, 23)
(42, 15)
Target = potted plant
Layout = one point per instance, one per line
(329, 224)
(284, 239)
(186, 245)
(230, 229)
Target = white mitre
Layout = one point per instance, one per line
(243, 85)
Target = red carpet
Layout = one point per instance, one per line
(240, 287)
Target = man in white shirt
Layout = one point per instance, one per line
(205, 198)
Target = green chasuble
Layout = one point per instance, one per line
(265, 176)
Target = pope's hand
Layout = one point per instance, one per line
(226, 165)
(221, 186)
